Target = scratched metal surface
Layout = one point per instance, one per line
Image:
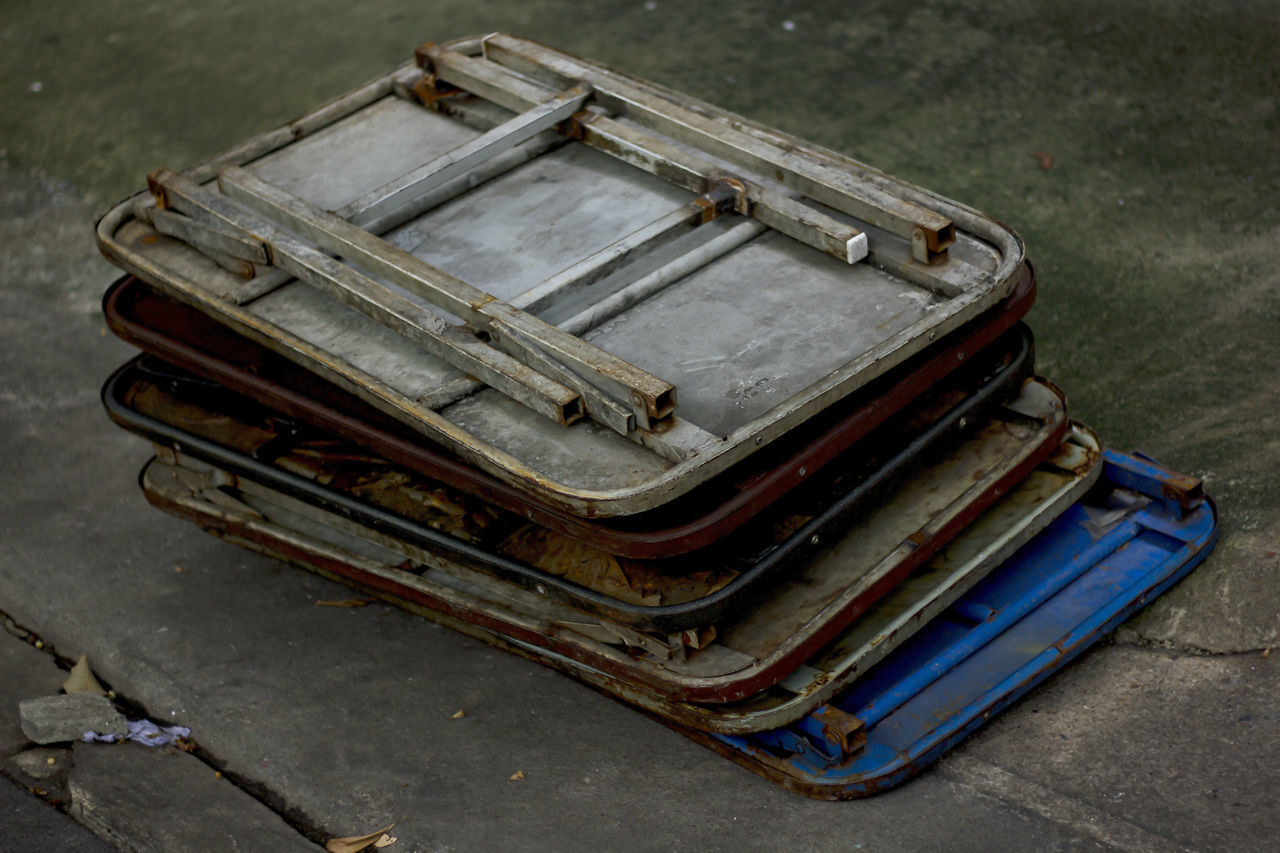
(742, 335)
(736, 338)
(380, 142)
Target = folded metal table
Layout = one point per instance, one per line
(600, 292)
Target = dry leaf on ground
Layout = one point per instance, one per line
(459, 715)
(516, 777)
(356, 843)
(81, 679)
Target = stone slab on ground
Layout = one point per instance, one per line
(160, 799)
(30, 825)
(53, 719)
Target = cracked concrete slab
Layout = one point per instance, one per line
(159, 799)
(137, 798)
(28, 822)
(31, 824)
(41, 771)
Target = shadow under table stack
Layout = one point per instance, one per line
(720, 422)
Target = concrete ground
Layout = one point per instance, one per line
(1133, 144)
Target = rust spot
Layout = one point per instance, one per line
(575, 126)
(1186, 491)
(633, 581)
(155, 185)
(428, 90)
(930, 245)
(733, 191)
(572, 412)
(1087, 464)
(422, 56)
(660, 426)
(707, 208)
(841, 729)
(732, 194)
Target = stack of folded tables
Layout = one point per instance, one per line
(732, 427)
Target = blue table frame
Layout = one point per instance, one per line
(1100, 562)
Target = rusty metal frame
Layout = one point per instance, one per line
(821, 755)
(719, 673)
(927, 592)
(519, 620)
(936, 425)
(1052, 602)
(185, 337)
